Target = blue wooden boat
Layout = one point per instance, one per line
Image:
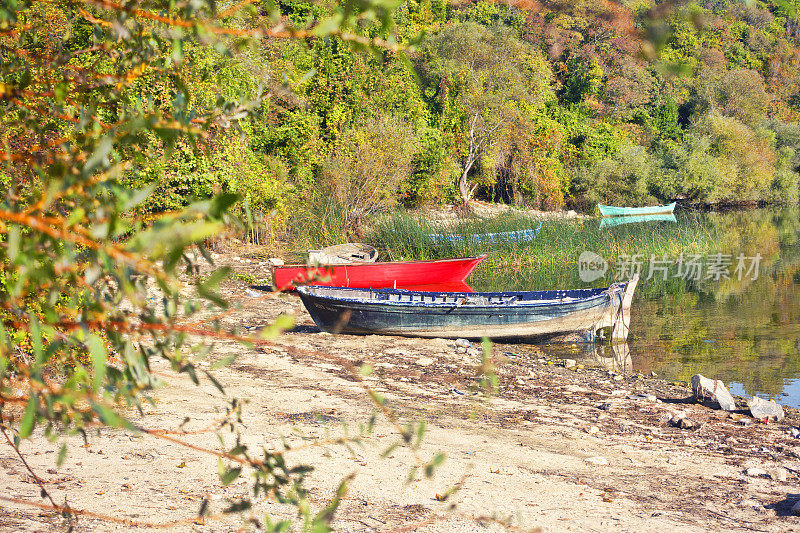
(523, 235)
(613, 211)
(608, 222)
(499, 315)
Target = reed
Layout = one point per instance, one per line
(548, 260)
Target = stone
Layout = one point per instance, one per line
(607, 405)
(592, 430)
(754, 471)
(474, 352)
(750, 503)
(794, 432)
(424, 361)
(598, 460)
(464, 343)
(680, 420)
(461, 349)
(618, 377)
(778, 474)
(765, 410)
(706, 389)
(644, 397)
(568, 363)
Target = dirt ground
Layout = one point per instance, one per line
(554, 448)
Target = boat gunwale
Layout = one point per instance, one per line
(519, 304)
(381, 263)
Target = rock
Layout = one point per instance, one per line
(795, 508)
(746, 422)
(778, 473)
(680, 420)
(765, 410)
(749, 503)
(665, 418)
(461, 349)
(592, 430)
(424, 361)
(474, 352)
(607, 405)
(645, 397)
(618, 377)
(705, 389)
(275, 261)
(754, 471)
(568, 363)
(464, 343)
(598, 460)
(794, 432)
(579, 367)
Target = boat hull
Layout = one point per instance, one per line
(460, 315)
(613, 211)
(379, 275)
(519, 236)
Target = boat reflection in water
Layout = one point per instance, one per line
(612, 357)
(619, 221)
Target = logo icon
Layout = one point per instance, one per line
(591, 267)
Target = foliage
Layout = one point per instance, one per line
(111, 111)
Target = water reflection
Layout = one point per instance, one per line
(742, 330)
(619, 221)
(615, 358)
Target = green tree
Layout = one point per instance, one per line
(485, 78)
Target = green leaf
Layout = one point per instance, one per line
(110, 418)
(230, 475)
(99, 354)
(220, 204)
(12, 249)
(62, 454)
(28, 418)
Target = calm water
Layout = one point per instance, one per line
(745, 331)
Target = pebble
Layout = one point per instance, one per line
(607, 405)
(794, 432)
(474, 352)
(754, 471)
(778, 474)
(680, 420)
(424, 361)
(275, 261)
(749, 503)
(597, 460)
(464, 343)
(461, 349)
(646, 397)
(568, 363)
(618, 377)
(592, 430)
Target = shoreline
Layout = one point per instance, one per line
(553, 448)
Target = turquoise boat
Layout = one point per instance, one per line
(613, 211)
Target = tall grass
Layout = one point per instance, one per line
(548, 260)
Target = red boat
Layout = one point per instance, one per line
(436, 274)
